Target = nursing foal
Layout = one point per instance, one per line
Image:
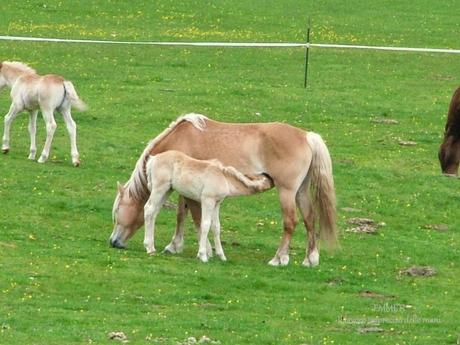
(31, 92)
(206, 181)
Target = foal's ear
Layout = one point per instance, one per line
(121, 189)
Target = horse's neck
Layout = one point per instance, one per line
(12, 74)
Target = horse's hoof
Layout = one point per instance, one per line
(312, 260)
(41, 160)
(203, 258)
(274, 262)
(76, 164)
(5, 151)
(282, 260)
(171, 249)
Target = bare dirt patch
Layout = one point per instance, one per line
(371, 294)
(419, 271)
(407, 143)
(436, 227)
(363, 225)
(384, 121)
(118, 336)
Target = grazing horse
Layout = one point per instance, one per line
(294, 160)
(449, 151)
(31, 92)
(205, 181)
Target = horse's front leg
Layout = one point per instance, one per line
(32, 132)
(9, 117)
(50, 129)
(207, 209)
(151, 209)
(177, 243)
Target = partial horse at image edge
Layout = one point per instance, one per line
(296, 160)
(31, 92)
(449, 151)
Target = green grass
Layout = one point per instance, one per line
(61, 284)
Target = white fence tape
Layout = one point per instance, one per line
(403, 49)
(234, 44)
(197, 44)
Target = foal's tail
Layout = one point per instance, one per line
(323, 184)
(73, 97)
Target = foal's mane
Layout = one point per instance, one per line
(453, 117)
(18, 66)
(137, 183)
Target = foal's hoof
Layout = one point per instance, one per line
(203, 258)
(5, 151)
(151, 252)
(173, 249)
(76, 164)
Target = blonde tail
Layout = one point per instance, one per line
(73, 97)
(323, 184)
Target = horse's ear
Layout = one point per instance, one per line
(121, 189)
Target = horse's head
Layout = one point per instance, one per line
(449, 156)
(2, 78)
(128, 215)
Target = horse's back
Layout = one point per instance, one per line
(278, 149)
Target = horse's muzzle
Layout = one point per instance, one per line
(116, 243)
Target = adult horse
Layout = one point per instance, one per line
(293, 158)
(449, 151)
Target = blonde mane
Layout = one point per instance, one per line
(20, 66)
(137, 183)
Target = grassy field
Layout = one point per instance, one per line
(60, 283)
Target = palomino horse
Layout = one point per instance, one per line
(30, 91)
(205, 181)
(449, 151)
(293, 158)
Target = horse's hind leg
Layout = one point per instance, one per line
(32, 132)
(50, 124)
(177, 242)
(288, 207)
(9, 117)
(207, 209)
(308, 215)
(72, 129)
(215, 226)
(195, 210)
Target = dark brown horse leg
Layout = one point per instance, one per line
(177, 243)
(288, 208)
